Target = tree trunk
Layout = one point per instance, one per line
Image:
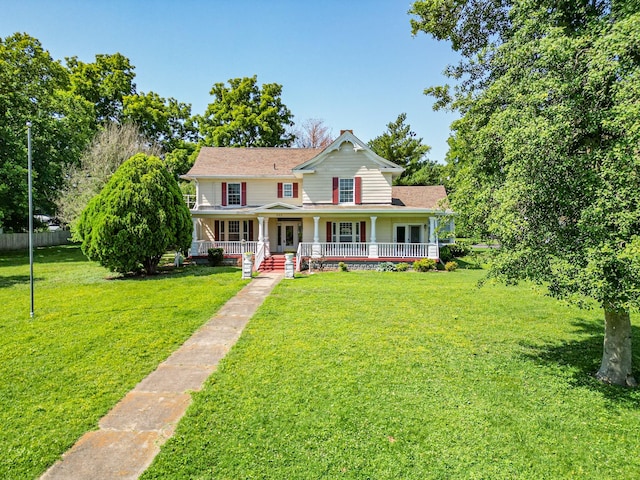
(151, 264)
(616, 357)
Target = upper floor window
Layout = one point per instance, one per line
(346, 190)
(287, 190)
(234, 194)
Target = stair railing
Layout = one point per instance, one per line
(259, 256)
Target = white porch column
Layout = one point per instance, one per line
(315, 248)
(316, 233)
(267, 247)
(433, 225)
(194, 237)
(260, 229)
(433, 251)
(373, 247)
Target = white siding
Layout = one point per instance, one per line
(259, 192)
(347, 163)
(206, 193)
(265, 192)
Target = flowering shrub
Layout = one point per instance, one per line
(424, 265)
(451, 266)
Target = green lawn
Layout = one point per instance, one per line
(91, 341)
(406, 375)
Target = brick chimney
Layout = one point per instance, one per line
(342, 131)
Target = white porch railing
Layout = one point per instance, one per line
(230, 248)
(408, 250)
(363, 250)
(259, 256)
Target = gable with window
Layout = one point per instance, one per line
(347, 191)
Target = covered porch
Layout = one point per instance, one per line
(360, 245)
(326, 250)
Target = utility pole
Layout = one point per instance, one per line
(30, 216)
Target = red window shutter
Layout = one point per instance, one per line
(363, 231)
(358, 190)
(329, 232)
(336, 191)
(251, 231)
(224, 194)
(243, 201)
(295, 190)
(279, 189)
(216, 230)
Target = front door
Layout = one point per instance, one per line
(288, 236)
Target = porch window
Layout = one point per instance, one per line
(234, 195)
(346, 232)
(234, 231)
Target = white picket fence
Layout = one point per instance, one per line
(20, 241)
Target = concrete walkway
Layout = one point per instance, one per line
(131, 434)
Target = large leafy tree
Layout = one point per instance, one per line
(166, 122)
(105, 83)
(243, 114)
(136, 218)
(546, 152)
(401, 145)
(35, 88)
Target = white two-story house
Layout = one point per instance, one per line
(337, 204)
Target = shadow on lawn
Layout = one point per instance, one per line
(584, 356)
(167, 272)
(57, 254)
(12, 280)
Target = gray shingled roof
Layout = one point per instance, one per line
(249, 162)
(434, 196)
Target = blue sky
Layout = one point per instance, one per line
(353, 64)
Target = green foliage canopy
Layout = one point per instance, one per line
(399, 144)
(246, 115)
(136, 218)
(104, 83)
(35, 88)
(546, 152)
(166, 122)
